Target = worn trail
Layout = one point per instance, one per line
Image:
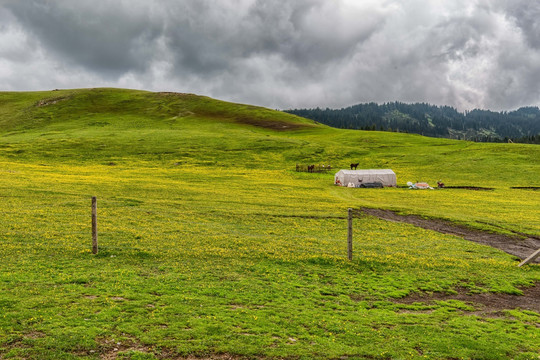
(513, 245)
(485, 304)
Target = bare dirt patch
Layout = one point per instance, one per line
(477, 188)
(51, 101)
(217, 357)
(489, 304)
(513, 245)
(35, 335)
(111, 349)
(271, 124)
(168, 93)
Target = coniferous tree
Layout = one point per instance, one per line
(521, 125)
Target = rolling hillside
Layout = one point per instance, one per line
(101, 125)
(213, 246)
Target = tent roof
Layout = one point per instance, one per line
(366, 172)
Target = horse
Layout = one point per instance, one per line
(310, 168)
(354, 166)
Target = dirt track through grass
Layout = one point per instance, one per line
(513, 245)
(485, 304)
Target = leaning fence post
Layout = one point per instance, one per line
(94, 226)
(533, 256)
(349, 234)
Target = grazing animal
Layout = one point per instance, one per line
(354, 166)
(310, 168)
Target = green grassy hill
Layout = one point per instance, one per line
(212, 244)
(102, 124)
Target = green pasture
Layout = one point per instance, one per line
(212, 245)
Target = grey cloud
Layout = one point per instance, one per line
(280, 53)
(526, 15)
(102, 36)
(223, 36)
(16, 46)
(518, 84)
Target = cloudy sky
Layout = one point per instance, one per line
(281, 54)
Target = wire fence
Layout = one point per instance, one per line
(314, 168)
(165, 228)
(170, 231)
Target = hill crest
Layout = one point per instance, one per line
(26, 110)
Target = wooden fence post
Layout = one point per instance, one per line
(94, 226)
(533, 256)
(349, 234)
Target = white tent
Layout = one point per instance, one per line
(358, 177)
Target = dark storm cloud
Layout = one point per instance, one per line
(226, 36)
(279, 53)
(100, 36)
(519, 61)
(14, 46)
(526, 15)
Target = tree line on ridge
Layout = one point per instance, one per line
(522, 125)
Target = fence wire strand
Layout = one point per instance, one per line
(76, 235)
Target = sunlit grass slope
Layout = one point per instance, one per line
(135, 128)
(211, 243)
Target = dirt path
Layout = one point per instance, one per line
(513, 245)
(485, 304)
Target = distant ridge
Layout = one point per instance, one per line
(522, 125)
